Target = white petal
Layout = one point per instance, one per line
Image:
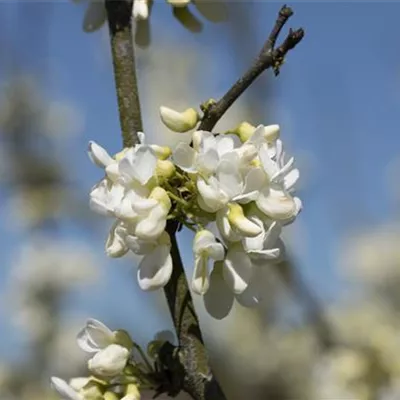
(212, 195)
(140, 10)
(254, 181)
(257, 242)
(264, 254)
(140, 246)
(208, 141)
(124, 210)
(291, 178)
(218, 299)
(225, 145)
(115, 244)
(272, 235)
(229, 177)
(94, 336)
(200, 281)
(225, 227)
(64, 390)
(155, 269)
(139, 163)
(184, 157)
(151, 227)
(284, 170)
(270, 167)
(141, 137)
(207, 162)
(109, 361)
(206, 243)
(112, 171)
(78, 383)
(99, 156)
(238, 269)
(277, 205)
(257, 138)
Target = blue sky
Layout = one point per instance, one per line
(337, 99)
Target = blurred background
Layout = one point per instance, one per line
(329, 324)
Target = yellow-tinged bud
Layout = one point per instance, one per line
(123, 338)
(179, 121)
(162, 152)
(178, 3)
(271, 133)
(92, 391)
(238, 220)
(110, 396)
(165, 169)
(159, 194)
(244, 130)
(132, 392)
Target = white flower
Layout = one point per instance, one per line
(265, 246)
(140, 10)
(105, 196)
(145, 217)
(64, 390)
(204, 156)
(95, 336)
(110, 361)
(205, 246)
(115, 244)
(155, 268)
(275, 199)
(179, 121)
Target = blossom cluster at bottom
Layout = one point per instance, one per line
(119, 367)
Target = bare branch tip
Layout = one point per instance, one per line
(286, 11)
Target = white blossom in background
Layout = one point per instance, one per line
(44, 269)
(236, 196)
(372, 257)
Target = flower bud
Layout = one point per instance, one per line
(244, 130)
(165, 169)
(110, 396)
(132, 392)
(178, 3)
(110, 361)
(162, 152)
(179, 121)
(271, 133)
(98, 155)
(159, 194)
(242, 224)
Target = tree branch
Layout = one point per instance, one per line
(119, 22)
(268, 57)
(198, 379)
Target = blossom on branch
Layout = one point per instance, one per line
(236, 193)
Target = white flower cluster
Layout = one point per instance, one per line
(111, 353)
(245, 189)
(140, 9)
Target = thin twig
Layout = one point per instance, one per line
(268, 57)
(119, 21)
